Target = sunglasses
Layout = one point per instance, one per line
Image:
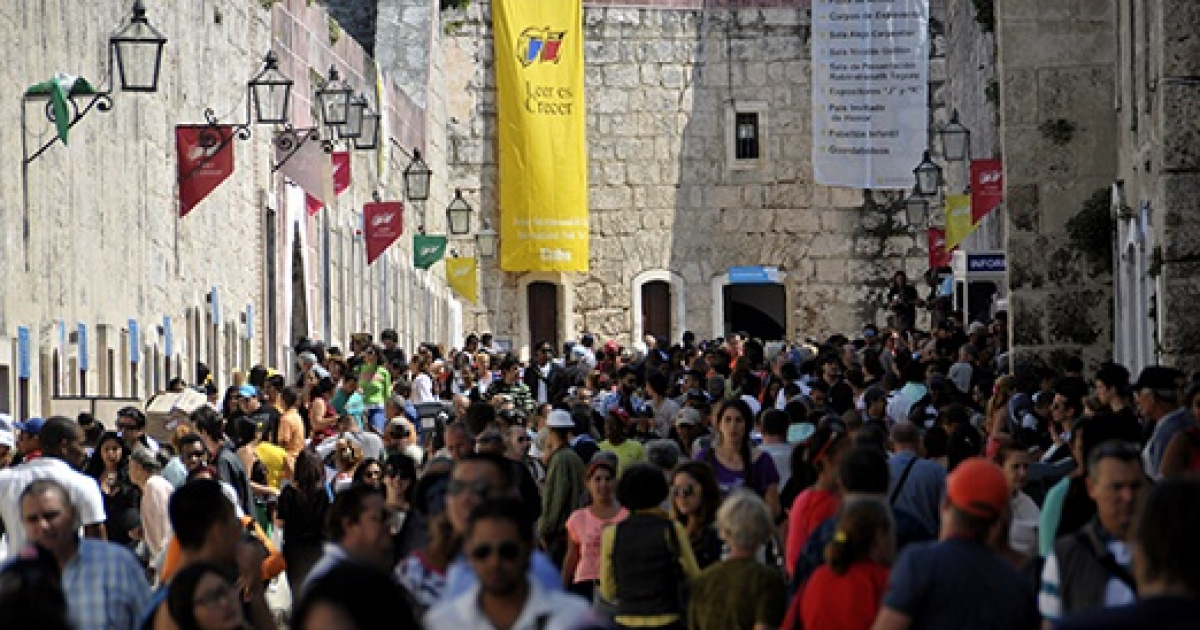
(127, 427)
(507, 550)
(686, 491)
(523, 438)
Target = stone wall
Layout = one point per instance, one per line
(661, 84)
(91, 231)
(1056, 62)
(1159, 129)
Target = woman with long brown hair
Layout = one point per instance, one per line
(695, 498)
(301, 513)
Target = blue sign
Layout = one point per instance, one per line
(83, 347)
(250, 321)
(135, 342)
(24, 361)
(216, 306)
(985, 263)
(753, 275)
(168, 336)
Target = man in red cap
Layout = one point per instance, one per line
(960, 582)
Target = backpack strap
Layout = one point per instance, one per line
(903, 478)
(1097, 548)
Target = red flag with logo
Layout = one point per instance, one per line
(384, 222)
(987, 187)
(205, 155)
(341, 179)
(938, 256)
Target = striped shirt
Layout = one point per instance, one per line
(105, 586)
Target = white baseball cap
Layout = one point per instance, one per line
(559, 419)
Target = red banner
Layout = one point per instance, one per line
(987, 187)
(384, 222)
(341, 179)
(938, 256)
(205, 155)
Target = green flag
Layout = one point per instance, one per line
(428, 250)
(59, 88)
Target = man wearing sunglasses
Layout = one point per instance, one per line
(499, 547)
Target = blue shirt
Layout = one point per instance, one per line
(105, 586)
(923, 490)
(460, 576)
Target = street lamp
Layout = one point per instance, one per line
(369, 137)
(416, 178)
(352, 128)
(334, 98)
(458, 215)
(137, 52)
(916, 208)
(956, 140)
(485, 240)
(929, 176)
(270, 93)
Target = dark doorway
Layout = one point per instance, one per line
(759, 310)
(299, 292)
(656, 309)
(542, 306)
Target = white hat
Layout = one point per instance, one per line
(559, 419)
(687, 415)
(8, 438)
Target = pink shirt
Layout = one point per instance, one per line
(587, 531)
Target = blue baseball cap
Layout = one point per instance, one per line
(247, 391)
(32, 426)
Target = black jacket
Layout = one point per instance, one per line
(556, 382)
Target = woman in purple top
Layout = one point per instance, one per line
(735, 460)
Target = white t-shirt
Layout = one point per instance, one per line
(1022, 533)
(82, 490)
(422, 389)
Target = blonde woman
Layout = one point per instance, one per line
(347, 455)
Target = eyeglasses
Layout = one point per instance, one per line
(508, 551)
(686, 490)
(480, 488)
(374, 474)
(220, 595)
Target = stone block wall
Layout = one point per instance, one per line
(1056, 61)
(661, 84)
(91, 230)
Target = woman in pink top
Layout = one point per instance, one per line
(585, 528)
(821, 500)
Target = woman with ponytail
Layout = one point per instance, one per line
(845, 593)
(821, 500)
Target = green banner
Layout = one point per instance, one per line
(428, 250)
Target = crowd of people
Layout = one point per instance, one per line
(887, 480)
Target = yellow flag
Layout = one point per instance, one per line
(541, 135)
(959, 224)
(462, 274)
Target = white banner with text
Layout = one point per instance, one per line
(870, 87)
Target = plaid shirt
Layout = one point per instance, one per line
(105, 586)
(521, 396)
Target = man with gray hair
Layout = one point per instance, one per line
(310, 365)
(104, 584)
(1157, 390)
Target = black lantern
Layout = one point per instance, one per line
(354, 118)
(956, 140)
(334, 99)
(369, 137)
(137, 52)
(916, 209)
(416, 178)
(458, 215)
(929, 176)
(270, 93)
(485, 241)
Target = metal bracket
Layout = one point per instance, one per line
(101, 101)
(290, 140)
(214, 138)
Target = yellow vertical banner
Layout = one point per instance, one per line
(462, 274)
(541, 135)
(959, 223)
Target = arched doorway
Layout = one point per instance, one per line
(759, 310)
(656, 309)
(541, 303)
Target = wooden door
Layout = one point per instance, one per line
(542, 306)
(656, 309)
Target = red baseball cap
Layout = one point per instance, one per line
(978, 487)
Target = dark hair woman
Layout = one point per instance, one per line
(735, 460)
(202, 596)
(353, 597)
(109, 466)
(301, 513)
(821, 500)
(695, 497)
